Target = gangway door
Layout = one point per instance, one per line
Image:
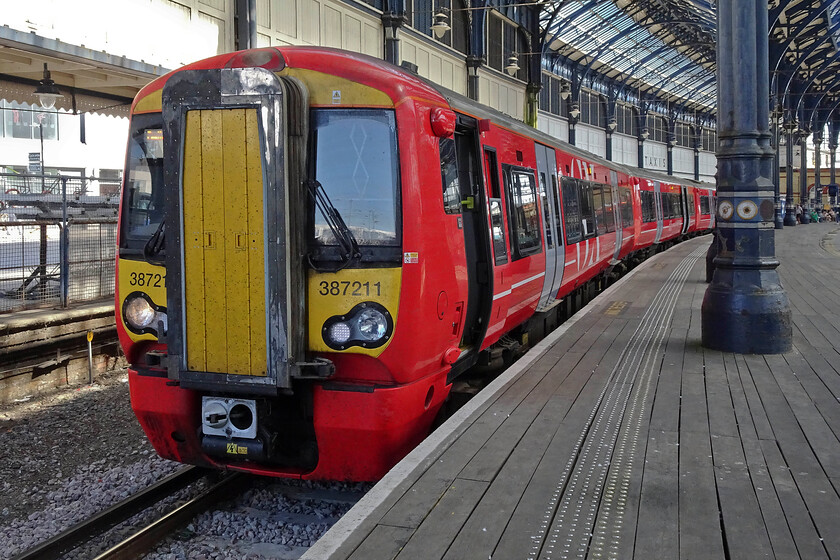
(234, 166)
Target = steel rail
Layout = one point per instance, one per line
(86, 530)
(143, 541)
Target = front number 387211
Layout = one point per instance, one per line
(347, 288)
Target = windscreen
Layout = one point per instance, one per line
(143, 197)
(356, 164)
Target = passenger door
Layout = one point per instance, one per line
(552, 222)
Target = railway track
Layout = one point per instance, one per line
(86, 531)
(277, 512)
(146, 539)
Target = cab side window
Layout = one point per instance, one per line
(449, 177)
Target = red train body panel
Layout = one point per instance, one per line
(490, 227)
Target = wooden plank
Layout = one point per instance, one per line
(822, 440)
(739, 398)
(383, 543)
(771, 510)
(722, 421)
(805, 536)
(743, 525)
(666, 406)
(699, 518)
(693, 407)
(439, 529)
(526, 529)
(482, 531)
(489, 460)
(517, 537)
(794, 365)
(414, 505)
(755, 367)
(657, 533)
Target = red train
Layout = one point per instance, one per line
(314, 243)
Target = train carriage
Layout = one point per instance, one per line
(314, 244)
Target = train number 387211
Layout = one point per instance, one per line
(347, 288)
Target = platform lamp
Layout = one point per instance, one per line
(512, 64)
(441, 25)
(47, 91)
(612, 124)
(565, 91)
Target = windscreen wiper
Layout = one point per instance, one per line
(155, 244)
(346, 240)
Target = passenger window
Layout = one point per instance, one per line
(549, 239)
(571, 210)
(449, 177)
(626, 207)
(524, 219)
(598, 203)
(558, 217)
(587, 209)
(609, 213)
(648, 206)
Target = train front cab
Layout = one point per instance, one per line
(266, 352)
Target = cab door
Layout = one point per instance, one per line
(476, 236)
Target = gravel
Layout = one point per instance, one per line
(70, 454)
(269, 521)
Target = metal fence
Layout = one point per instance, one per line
(57, 240)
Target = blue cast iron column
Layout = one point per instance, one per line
(832, 156)
(745, 309)
(817, 169)
(790, 206)
(804, 195)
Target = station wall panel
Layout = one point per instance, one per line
(318, 23)
(553, 125)
(708, 166)
(501, 94)
(683, 161)
(656, 156)
(439, 66)
(625, 149)
(591, 138)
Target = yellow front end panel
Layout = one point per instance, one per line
(336, 293)
(140, 276)
(224, 257)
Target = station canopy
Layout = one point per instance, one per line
(666, 48)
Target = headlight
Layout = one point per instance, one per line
(372, 324)
(368, 325)
(141, 315)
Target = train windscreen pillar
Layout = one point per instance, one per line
(745, 308)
